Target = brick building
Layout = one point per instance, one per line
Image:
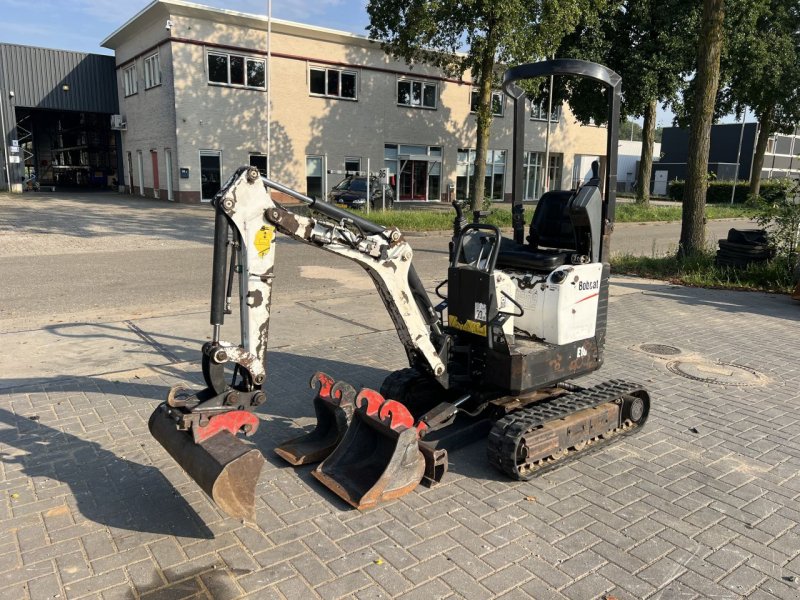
(193, 94)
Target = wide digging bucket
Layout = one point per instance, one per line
(333, 406)
(225, 467)
(379, 457)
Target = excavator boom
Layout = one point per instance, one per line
(199, 430)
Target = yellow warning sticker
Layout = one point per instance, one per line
(469, 326)
(263, 240)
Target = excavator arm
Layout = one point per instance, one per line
(199, 429)
(250, 211)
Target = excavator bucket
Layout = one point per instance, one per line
(334, 406)
(225, 467)
(379, 458)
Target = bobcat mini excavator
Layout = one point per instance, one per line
(492, 358)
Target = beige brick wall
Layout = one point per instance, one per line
(150, 113)
(233, 120)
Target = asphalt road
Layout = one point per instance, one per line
(116, 260)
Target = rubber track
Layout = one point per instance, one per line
(507, 433)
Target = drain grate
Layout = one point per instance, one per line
(719, 373)
(660, 349)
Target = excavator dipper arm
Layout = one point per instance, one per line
(199, 430)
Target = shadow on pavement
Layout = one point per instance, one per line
(108, 490)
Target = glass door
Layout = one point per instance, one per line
(414, 180)
(210, 173)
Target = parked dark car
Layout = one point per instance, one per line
(352, 192)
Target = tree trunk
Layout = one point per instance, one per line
(484, 122)
(707, 80)
(646, 159)
(764, 126)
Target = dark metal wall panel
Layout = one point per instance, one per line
(37, 75)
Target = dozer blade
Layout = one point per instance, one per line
(225, 467)
(379, 457)
(334, 406)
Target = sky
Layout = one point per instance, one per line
(82, 24)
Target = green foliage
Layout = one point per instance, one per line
(778, 211)
(650, 43)
(760, 64)
(719, 192)
(699, 270)
(441, 219)
(472, 35)
(457, 35)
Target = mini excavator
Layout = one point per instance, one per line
(492, 358)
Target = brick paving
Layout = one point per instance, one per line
(704, 502)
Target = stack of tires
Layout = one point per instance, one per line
(744, 247)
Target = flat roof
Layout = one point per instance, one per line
(225, 15)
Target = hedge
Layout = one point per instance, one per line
(719, 192)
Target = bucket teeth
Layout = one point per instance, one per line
(334, 406)
(379, 457)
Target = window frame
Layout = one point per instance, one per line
(340, 72)
(497, 93)
(423, 84)
(555, 117)
(491, 171)
(352, 159)
(152, 76)
(263, 155)
(245, 58)
(130, 80)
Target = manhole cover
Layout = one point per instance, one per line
(660, 349)
(718, 373)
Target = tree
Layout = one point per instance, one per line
(706, 82)
(475, 36)
(762, 69)
(630, 130)
(646, 42)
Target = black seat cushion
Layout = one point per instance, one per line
(522, 256)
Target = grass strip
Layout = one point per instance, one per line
(700, 271)
(436, 220)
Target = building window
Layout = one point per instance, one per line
(352, 164)
(129, 80)
(259, 161)
(152, 71)
(494, 184)
(539, 112)
(498, 102)
(420, 170)
(533, 182)
(237, 70)
(314, 173)
(419, 94)
(332, 83)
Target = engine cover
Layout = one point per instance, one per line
(563, 308)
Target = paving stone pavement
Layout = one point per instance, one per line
(704, 502)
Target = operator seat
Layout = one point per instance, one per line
(551, 238)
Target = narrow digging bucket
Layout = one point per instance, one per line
(225, 467)
(333, 406)
(374, 462)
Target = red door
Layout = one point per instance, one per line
(414, 180)
(154, 157)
